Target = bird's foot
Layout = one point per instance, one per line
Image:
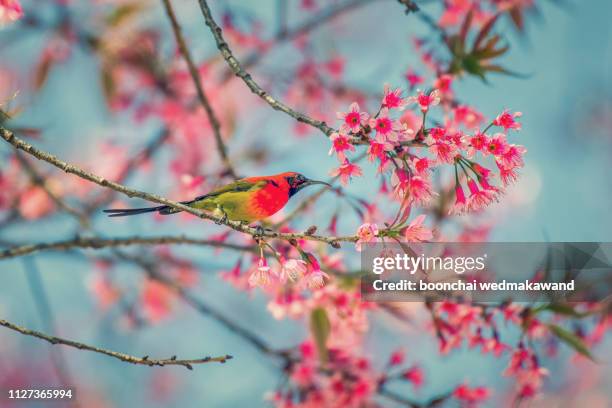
(223, 219)
(259, 232)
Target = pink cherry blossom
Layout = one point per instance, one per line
(260, 276)
(367, 233)
(425, 101)
(315, 279)
(397, 358)
(471, 395)
(292, 269)
(460, 205)
(416, 232)
(415, 375)
(35, 203)
(392, 99)
(378, 149)
(420, 190)
(346, 171)
(157, 300)
(508, 120)
(354, 119)
(413, 78)
(340, 144)
(479, 198)
(385, 127)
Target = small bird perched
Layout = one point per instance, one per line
(245, 200)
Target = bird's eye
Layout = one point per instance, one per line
(301, 178)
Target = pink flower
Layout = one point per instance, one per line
(400, 180)
(420, 190)
(416, 232)
(261, 275)
(384, 126)
(415, 375)
(426, 101)
(478, 143)
(10, 10)
(507, 120)
(316, 279)
(346, 171)
(156, 300)
(353, 119)
(413, 78)
(479, 198)
(508, 175)
(366, 233)
(340, 144)
(443, 83)
(378, 149)
(335, 66)
(422, 165)
(292, 269)
(396, 358)
(460, 202)
(393, 99)
(471, 395)
(498, 145)
(512, 156)
(467, 116)
(35, 203)
(445, 152)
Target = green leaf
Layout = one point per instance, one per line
(320, 328)
(571, 340)
(561, 309)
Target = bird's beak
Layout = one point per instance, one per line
(312, 182)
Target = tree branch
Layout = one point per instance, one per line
(235, 225)
(235, 66)
(195, 76)
(98, 243)
(120, 356)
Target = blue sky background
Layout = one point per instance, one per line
(568, 56)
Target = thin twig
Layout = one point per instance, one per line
(120, 356)
(98, 243)
(237, 69)
(195, 76)
(235, 225)
(199, 305)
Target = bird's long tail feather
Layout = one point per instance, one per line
(124, 212)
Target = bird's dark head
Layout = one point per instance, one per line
(297, 181)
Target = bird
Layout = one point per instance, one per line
(245, 200)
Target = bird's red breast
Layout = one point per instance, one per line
(272, 197)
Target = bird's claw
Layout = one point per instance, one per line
(223, 219)
(259, 231)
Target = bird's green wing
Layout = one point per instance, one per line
(235, 187)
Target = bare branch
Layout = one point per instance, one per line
(120, 356)
(195, 76)
(98, 243)
(235, 225)
(233, 63)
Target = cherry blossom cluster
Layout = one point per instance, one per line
(409, 151)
